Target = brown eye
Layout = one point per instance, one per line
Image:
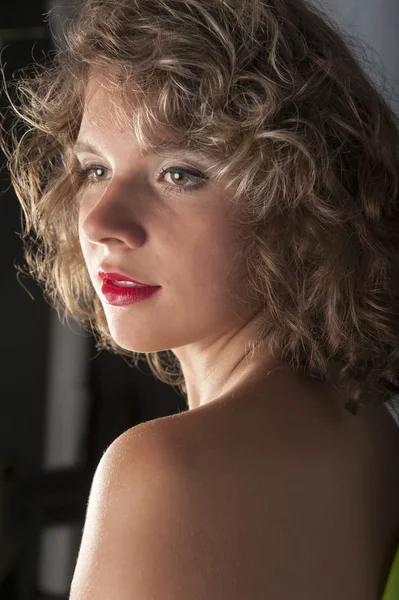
(180, 178)
(183, 175)
(97, 171)
(93, 174)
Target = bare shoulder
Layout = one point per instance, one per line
(225, 501)
(134, 534)
(246, 500)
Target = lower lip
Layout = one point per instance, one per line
(122, 296)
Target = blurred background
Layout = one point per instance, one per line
(58, 408)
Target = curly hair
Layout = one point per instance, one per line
(275, 94)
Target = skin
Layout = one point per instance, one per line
(182, 241)
(292, 429)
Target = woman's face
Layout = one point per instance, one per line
(174, 230)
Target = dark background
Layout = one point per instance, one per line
(58, 409)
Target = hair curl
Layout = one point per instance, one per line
(274, 92)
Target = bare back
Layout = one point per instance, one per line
(294, 489)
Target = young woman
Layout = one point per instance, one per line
(234, 159)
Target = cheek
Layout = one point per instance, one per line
(84, 209)
(84, 244)
(85, 201)
(215, 265)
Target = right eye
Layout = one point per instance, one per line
(92, 174)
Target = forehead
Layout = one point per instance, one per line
(106, 114)
(104, 103)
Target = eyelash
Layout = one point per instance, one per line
(87, 172)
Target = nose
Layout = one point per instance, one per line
(111, 217)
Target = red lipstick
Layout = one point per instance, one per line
(118, 294)
(120, 277)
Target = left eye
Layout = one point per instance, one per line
(184, 174)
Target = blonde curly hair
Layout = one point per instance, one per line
(274, 93)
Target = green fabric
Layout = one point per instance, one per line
(391, 591)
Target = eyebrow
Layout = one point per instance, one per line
(86, 147)
(169, 148)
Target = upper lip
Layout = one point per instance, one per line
(119, 277)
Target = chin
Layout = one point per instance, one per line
(139, 342)
(134, 345)
(144, 333)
